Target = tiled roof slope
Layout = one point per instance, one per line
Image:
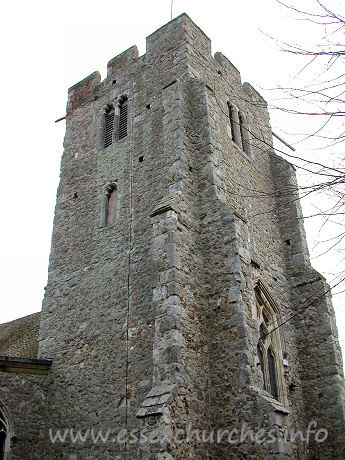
(18, 338)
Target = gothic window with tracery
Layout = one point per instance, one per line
(269, 348)
(3, 435)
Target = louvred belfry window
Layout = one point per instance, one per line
(109, 126)
(115, 124)
(122, 131)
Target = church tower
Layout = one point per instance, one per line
(181, 306)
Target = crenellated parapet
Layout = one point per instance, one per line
(178, 48)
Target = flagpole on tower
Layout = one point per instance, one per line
(171, 8)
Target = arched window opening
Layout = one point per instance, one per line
(123, 119)
(245, 144)
(109, 126)
(262, 365)
(241, 120)
(115, 121)
(269, 348)
(232, 122)
(111, 206)
(272, 374)
(3, 436)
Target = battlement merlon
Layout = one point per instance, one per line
(179, 34)
(122, 60)
(224, 62)
(82, 92)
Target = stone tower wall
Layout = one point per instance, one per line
(151, 322)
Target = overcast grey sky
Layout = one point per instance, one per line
(49, 46)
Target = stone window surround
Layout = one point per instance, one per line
(273, 341)
(6, 420)
(108, 189)
(116, 104)
(239, 129)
